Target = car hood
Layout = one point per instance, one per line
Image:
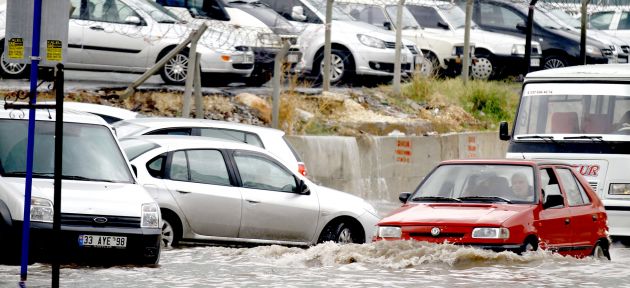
(335, 202)
(358, 27)
(465, 214)
(93, 198)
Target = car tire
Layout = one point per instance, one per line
(483, 68)
(342, 67)
(555, 61)
(430, 65)
(9, 247)
(600, 251)
(341, 232)
(12, 70)
(175, 70)
(529, 245)
(171, 230)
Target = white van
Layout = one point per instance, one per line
(580, 115)
(105, 215)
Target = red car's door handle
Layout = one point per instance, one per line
(567, 220)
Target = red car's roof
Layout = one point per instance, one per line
(505, 162)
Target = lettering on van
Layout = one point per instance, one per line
(586, 169)
(539, 92)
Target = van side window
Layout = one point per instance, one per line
(574, 197)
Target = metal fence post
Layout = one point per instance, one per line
(190, 77)
(583, 31)
(199, 107)
(399, 46)
(328, 46)
(528, 34)
(466, 58)
(277, 75)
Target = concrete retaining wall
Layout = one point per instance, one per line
(378, 168)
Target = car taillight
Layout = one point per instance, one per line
(302, 169)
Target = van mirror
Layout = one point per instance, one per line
(297, 13)
(442, 25)
(404, 196)
(133, 20)
(503, 131)
(387, 25)
(521, 26)
(135, 170)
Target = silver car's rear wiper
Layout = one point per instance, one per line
(485, 198)
(436, 198)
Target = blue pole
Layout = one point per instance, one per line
(37, 20)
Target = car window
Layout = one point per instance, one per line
(259, 172)
(172, 131)
(549, 183)
(624, 21)
(574, 197)
(136, 147)
(76, 9)
(373, 15)
(428, 17)
(155, 167)
(601, 20)
(499, 16)
(208, 167)
(179, 167)
(285, 8)
(113, 11)
(233, 135)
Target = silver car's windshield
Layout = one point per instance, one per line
(478, 183)
(600, 109)
(337, 14)
(565, 17)
(455, 16)
(157, 12)
(90, 152)
(408, 21)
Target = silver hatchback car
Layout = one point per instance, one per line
(226, 192)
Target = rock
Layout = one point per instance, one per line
(256, 103)
(304, 115)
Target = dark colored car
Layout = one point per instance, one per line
(512, 205)
(560, 47)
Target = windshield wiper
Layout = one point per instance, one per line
(545, 138)
(486, 198)
(82, 178)
(436, 198)
(594, 138)
(23, 174)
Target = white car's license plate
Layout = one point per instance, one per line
(534, 62)
(101, 241)
(292, 58)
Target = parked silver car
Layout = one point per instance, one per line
(223, 191)
(271, 139)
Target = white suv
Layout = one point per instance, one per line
(105, 215)
(357, 48)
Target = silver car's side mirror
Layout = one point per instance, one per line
(303, 188)
(297, 13)
(133, 20)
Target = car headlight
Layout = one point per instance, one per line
(593, 51)
(41, 210)
(619, 189)
(272, 40)
(150, 216)
(389, 232)
(518, 49)
(491, 233)
(371, 41)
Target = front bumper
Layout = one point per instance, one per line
(142, 247)
(238, 62)
(264, 59)
(380, 62)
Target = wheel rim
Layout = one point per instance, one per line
(345, 236)
(12, 68)
(554, 63)
(482, 69)
(529, 247)
(336, 68)
(599, 253)
(426, 69)
(177, 68)
(168, 234)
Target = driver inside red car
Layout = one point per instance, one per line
(521, 188)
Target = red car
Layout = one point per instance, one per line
(503, 205)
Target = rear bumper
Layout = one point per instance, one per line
(142, 247)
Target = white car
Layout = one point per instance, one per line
(110, 114)
(496, 54)
(357, 48)
(131, 36)
(271, 139)
(105, 215)
(614, 20)
(443, 52)
(222, 191)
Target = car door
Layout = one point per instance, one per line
(108, 41)
(498, 18)
(554, 223)
(203, 188)
(583, 214)
(272, 210)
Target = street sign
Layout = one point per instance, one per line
(54, 31)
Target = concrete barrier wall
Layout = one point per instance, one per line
(378, 168)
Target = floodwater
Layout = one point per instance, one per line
(381, 264)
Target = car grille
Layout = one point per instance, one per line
(593, 185)
(390, 45)
(88, 220)
(413, 49)
(625, 49)
(607, 52)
